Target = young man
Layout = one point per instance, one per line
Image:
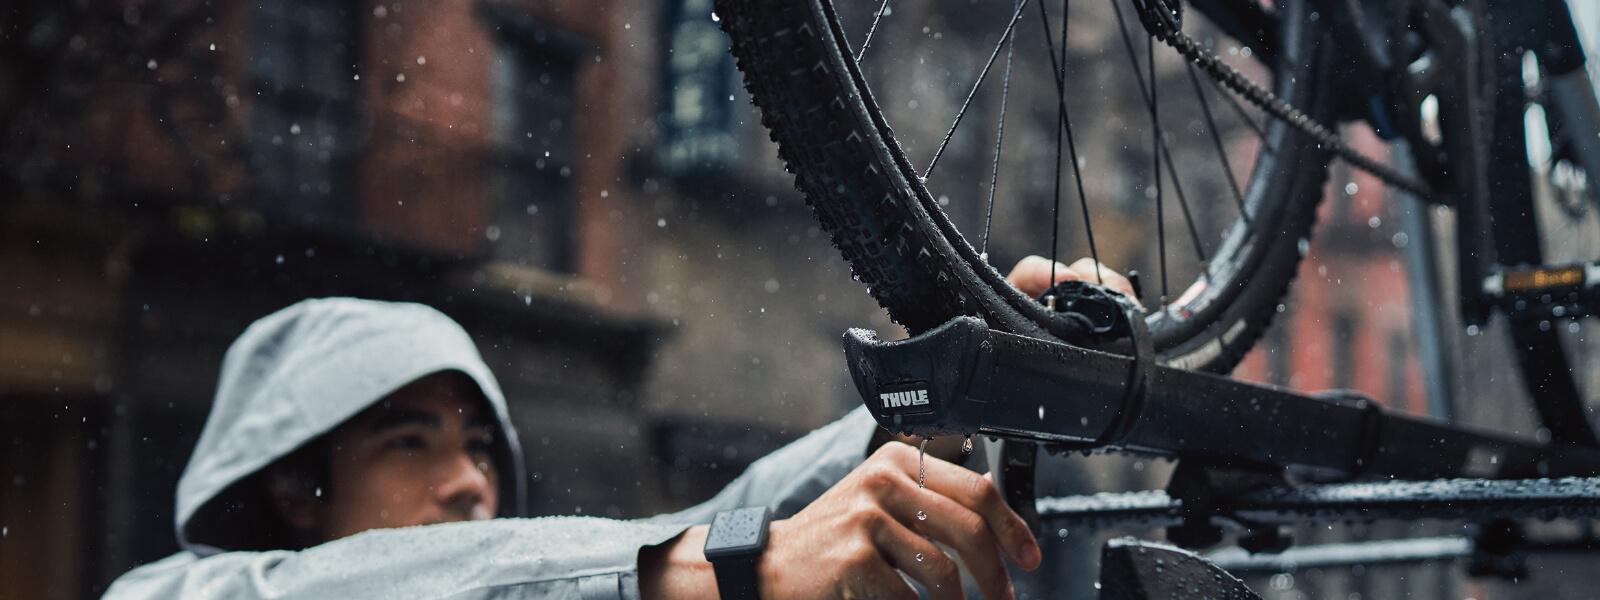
(340, 425)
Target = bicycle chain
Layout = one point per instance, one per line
(1164, 25)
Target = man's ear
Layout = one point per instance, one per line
(294, 499)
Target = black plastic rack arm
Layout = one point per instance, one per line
(963, 378)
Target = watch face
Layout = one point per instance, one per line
(738, 532)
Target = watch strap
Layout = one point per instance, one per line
(736, 578)
(733, 545)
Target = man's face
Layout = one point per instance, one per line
(418, 457)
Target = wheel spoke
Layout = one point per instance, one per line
(1064, 123)
(999, 139)
(1244, 115)
(1216, 137)
(1156, 144)
(871, 30)
(1162, 150)
(1015, 16)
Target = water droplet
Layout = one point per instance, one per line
(919, 557)
(922, 458)
(922, 516)
(966, 446)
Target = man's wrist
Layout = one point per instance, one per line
(677, 569)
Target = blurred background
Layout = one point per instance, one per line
(584, 186)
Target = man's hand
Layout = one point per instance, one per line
(855, 540)
(1032, 275)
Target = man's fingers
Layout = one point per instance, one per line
(955, 525)
(1085, 268)
(1035, 274)
(977, 494)
(883, 581)
(903, 549)
(1032, 275)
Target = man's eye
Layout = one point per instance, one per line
(408, 442)
(482, 443)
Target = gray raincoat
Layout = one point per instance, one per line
(302, 371)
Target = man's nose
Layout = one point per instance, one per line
(466, 487)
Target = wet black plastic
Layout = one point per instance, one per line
(963, 378)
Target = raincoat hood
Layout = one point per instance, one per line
(297, 374)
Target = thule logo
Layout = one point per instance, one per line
(904, 398)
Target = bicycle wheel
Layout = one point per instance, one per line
(834, 137)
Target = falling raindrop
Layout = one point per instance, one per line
(966, 446)
(922, 458)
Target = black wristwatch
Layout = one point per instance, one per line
(735, 541)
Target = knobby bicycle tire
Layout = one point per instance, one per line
(865, 193)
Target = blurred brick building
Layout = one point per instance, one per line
(586, 188)
(573, 181)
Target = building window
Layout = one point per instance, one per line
(1399, 386)
(1340, 177)
(533, 147)
(304, 125)
(1344, 356)
(699, 124)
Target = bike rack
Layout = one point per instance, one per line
(963, 378)
(1239, 446)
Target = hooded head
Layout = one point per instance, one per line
(298, 374)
